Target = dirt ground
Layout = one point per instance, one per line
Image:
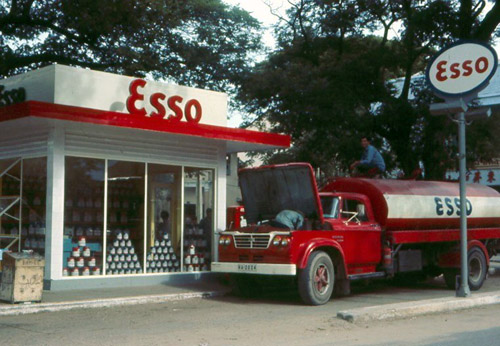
(273, 319)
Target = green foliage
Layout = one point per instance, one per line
(201, 43)
(328, 83)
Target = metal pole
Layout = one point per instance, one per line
(463, 289)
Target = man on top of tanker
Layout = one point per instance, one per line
(372, 164)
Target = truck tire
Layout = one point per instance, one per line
(477, 270)
(317, 279)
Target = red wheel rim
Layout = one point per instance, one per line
(321, 279)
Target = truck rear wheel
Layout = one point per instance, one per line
(477, 270)
(316, 280)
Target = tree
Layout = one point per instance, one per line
(329, 81)
(202, 43)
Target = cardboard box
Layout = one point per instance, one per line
(22, 277)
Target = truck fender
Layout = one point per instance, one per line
(326, 244)
(451, 259)
(480, 245)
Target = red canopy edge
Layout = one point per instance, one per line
(94, 116)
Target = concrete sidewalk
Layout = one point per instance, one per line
(419, 307)
(409, 305)
(108, 297)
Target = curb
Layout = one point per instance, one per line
(101, 303)
(417, 308)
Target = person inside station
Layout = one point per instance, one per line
(206, 224)
(372, 164)
(163, 226)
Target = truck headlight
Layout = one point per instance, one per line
(221, 240)
(225, 240)
(281, 241)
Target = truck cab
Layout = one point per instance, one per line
(351, 220)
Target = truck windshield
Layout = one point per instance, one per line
(330, 205)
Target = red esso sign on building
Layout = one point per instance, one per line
(168, 107)
(461, 68)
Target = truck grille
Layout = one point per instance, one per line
(251, 241)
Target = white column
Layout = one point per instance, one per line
(55, 205)
(220, 182)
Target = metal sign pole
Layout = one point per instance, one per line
(451, 77)
(463, 289)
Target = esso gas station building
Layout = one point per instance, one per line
(115, 180)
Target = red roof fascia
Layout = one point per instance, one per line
(93, 116)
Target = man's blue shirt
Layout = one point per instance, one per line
(372, 158)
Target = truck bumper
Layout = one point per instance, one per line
(254, 268)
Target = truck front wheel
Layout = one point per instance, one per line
(316, 280)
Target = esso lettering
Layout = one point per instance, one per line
(451, 206)
(172, 108)
(445, 69)
(8, 97)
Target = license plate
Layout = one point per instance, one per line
(247, 267)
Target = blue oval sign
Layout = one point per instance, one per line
(461, 68)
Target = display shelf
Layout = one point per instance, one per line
(10, 203)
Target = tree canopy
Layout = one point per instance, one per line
(338, 74)
(202, 43)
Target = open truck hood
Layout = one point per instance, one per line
(267, 190)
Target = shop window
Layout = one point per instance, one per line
(83, 216)
(164, 219)
(23, 182)
(198, 218)
(125, 218)
(34, 197)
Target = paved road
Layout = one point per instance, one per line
(274, 319)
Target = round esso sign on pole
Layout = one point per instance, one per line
(461, 68)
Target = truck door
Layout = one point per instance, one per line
(362, 245)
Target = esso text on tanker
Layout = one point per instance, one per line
(166, 108)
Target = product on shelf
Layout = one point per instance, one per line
(122, 258)
(81, 260)
(194, 261)
(195, 238)
(159, 258)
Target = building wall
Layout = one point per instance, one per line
(23, 141)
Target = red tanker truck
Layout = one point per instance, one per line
(353, 229)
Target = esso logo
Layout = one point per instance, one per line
(172, 108)
(462, 68)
